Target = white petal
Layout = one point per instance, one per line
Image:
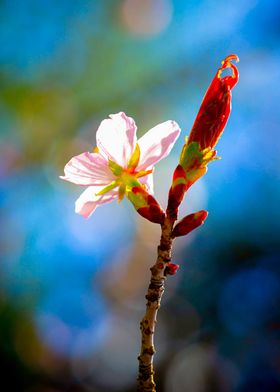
(149, 181)
(157, 143)
(88, 169)
(88, 201)
(116, 138)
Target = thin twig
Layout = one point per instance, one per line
(146, 381)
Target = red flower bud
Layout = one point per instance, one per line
(179, 176)
(146, 205)
(177, 190)
(215, 108)
(171, 269)
(189, 223)
(155, 215)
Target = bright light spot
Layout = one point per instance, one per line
(146, 17)
(198, 368)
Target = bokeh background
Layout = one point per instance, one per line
(72, 290)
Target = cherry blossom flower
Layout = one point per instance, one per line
(119, 163)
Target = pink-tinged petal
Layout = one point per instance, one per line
(148, 181)
(88, 169)
(157, 143)
(116, 138)
(88, 201)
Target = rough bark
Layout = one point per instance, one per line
(146, 381)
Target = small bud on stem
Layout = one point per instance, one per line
(189, 223)
(171, 269)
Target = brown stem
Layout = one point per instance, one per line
(146, 381)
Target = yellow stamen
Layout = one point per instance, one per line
(108, 188)
(121, 192)
(135, 157)
(143, 173)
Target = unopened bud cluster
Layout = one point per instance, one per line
(208, 126)
(197, 152)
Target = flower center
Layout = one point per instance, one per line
(127, 178)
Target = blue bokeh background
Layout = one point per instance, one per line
(72, 290)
